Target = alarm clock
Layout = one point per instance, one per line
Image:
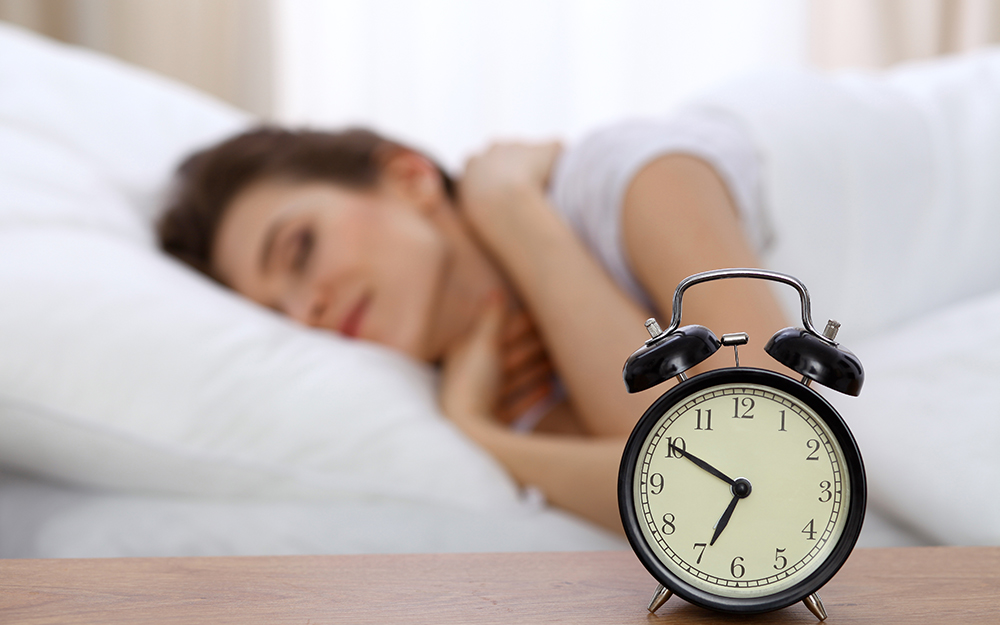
(741, 489)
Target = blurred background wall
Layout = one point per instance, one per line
(448, 75)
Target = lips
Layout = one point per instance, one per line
(351, 324)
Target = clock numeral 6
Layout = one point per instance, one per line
(736, 568)
(668, 524)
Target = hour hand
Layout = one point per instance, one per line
(702, 464)
(724, 521)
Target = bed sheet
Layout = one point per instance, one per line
(45, 519)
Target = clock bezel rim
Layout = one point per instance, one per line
(854, 466)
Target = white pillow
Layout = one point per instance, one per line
(928, 422)
(121, 368)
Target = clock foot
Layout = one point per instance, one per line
(660, 596)
(815, 605)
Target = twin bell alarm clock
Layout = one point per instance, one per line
(740, 489)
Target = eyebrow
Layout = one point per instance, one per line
(269, 238)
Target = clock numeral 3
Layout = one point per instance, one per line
(747, 403)
(825, 486)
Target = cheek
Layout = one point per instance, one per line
(410, 270)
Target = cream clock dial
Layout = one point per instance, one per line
(741, 490)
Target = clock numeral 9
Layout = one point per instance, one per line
(825, 486)
(813, 445)
(747, 404)
(777, 557)
(668, 524)
(656, 484)
(677, 442)
(736, 568)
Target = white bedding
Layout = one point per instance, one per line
(884, 196)
(279, 439)
(179, 418)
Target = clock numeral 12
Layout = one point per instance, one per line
(747, 403)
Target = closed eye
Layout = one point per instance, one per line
(303, 242)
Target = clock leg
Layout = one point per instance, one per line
(815, 605)
(660, 596)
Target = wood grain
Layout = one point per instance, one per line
(913, 585)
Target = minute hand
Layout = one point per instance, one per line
(704, 465)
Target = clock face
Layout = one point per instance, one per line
(740, 488)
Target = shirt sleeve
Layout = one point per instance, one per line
(591, 179)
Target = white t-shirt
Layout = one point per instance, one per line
(591, 178)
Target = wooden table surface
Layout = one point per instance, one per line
(912, 585)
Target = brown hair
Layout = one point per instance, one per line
(208, 180)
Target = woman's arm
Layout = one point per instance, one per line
(575, 473)
(679, 219)
(589, 324)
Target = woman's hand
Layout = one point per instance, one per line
(496, 183)
(527, 371)
(472, 373)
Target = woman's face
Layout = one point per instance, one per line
(366, 264)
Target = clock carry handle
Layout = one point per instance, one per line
(670, 352)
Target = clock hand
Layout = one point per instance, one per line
(741, 489)
(724, 520)
(702, 464)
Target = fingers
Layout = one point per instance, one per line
(512, 407)
(472, 372)
(525, 379)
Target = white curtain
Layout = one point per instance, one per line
(878, 33)
(448, 75)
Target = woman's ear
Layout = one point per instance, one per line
(412, 177)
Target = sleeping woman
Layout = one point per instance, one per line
(528, 279)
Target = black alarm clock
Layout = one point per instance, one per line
(741, 489)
